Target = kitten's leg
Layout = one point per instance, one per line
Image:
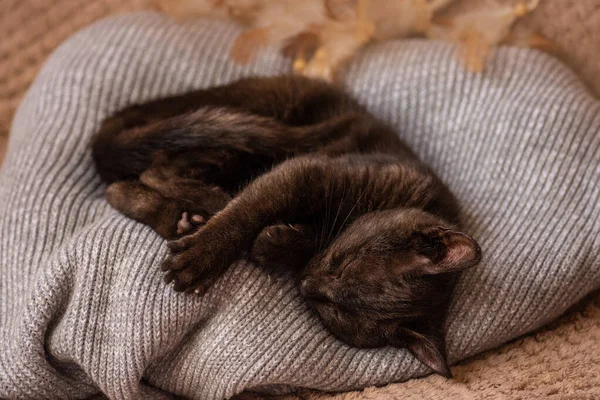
(225, 146)
(145, 205)
(286, 245)
(296, 189)
(162, 212)
(209, 199)
(269, 97)
(255, 120)
(157, 110)
(173, 188)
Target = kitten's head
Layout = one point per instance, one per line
(387, 280)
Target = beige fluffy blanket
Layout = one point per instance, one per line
(558, 362)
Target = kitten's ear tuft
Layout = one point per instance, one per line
(448, 251)
(430, 350)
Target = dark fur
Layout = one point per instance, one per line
(295, 174)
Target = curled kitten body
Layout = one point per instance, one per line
(294, 174)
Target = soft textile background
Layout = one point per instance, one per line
(83, 307)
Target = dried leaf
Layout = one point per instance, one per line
(479, 30)
(321, 35)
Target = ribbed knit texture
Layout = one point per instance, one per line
(83, 308)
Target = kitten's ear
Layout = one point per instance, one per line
(445, 250)
(428, 348)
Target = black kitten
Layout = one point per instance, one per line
(293, 173)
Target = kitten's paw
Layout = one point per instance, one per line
(134, 199)
(281, 235)
(145, 205)
(189, 224)
(195, 262)
(282, 243)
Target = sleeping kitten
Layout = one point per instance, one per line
(293, 173)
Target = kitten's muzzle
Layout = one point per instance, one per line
(316, 289)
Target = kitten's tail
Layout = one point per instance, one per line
(124, 147)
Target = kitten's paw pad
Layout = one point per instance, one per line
(189, 224)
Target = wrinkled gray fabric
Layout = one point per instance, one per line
(83, 306)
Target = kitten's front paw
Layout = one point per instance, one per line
(282, 244)
(194, 264)
(282, 235)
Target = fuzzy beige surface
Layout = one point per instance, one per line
(559, 362)
(29, 31)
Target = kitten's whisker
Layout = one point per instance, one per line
(350, 212)
(322, 228)
(315, 237)
(342, 201)
(326, 219)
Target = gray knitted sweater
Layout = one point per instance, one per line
(84, 310)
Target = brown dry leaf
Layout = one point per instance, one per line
(248, 44)
(341, 27)
(479, 30)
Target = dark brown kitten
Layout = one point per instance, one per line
(294, 174)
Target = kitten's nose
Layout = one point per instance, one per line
(313, 289)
